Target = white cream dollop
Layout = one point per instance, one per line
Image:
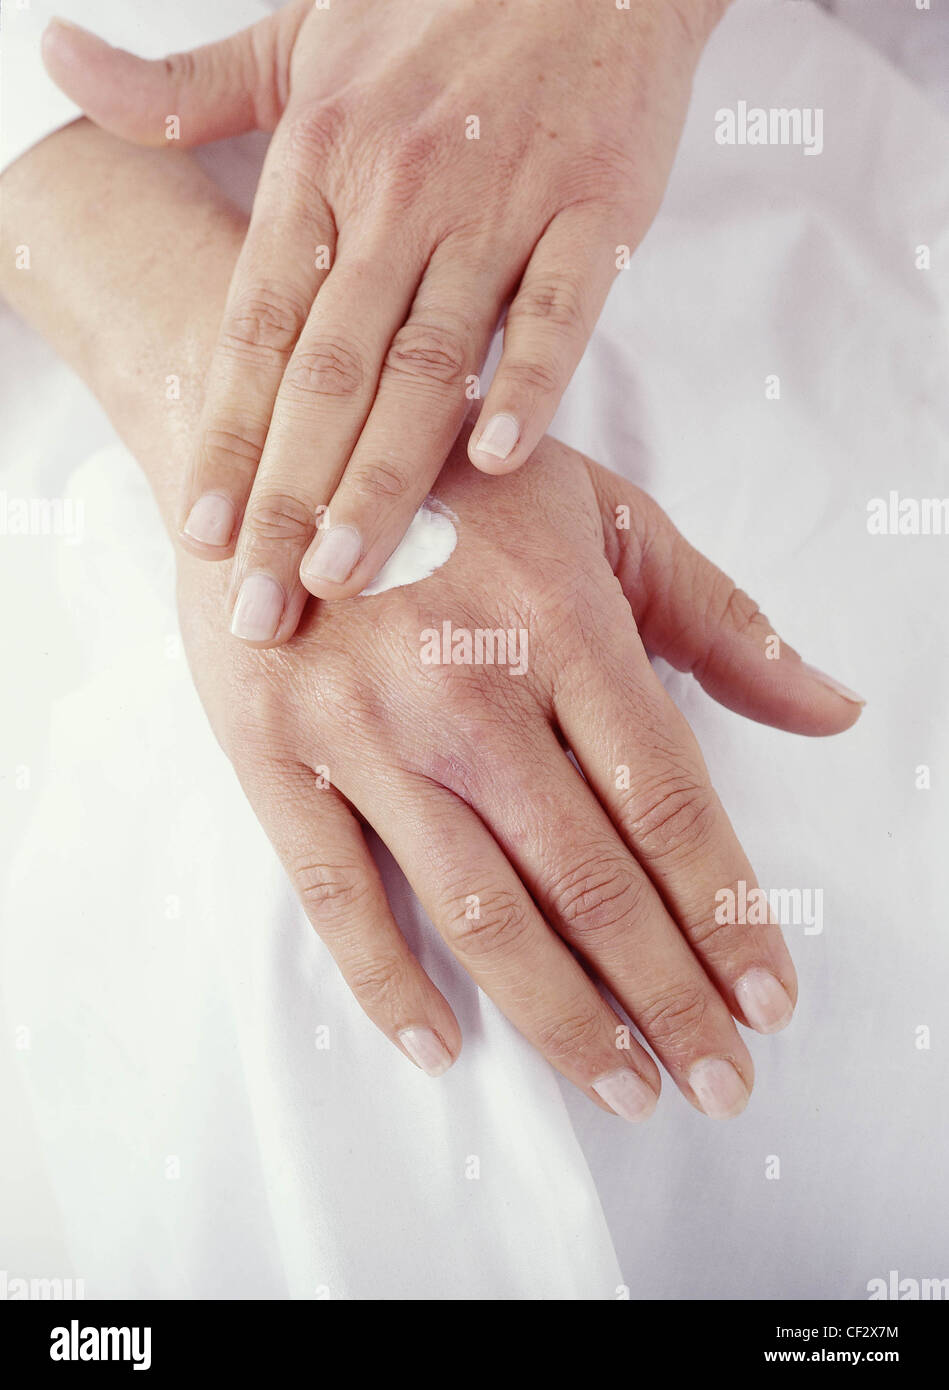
(424, 548)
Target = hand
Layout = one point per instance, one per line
(461, 771)
(345, 387)
(460, 768)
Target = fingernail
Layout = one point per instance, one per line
(834, 685)
(211, 520)
(258, 609)
(499, 436)
(426, 1050)
(764, 1001)
(718, 1088)
(626, 1094)
(333, 554)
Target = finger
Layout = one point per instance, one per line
(640, 757)
(479, 906)
(419, 407)
(593, 892)
(546, 332)
(323, 851)
(210, 92)
(694, 616)
(324, 398)
(275, 280)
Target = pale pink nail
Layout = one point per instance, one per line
(333, 555)
(499, 436)
(426, 1050)
(627, 1094)
(258, 609)
(834, 685)
(718, 1088)
(764, 1001)
(211, 520)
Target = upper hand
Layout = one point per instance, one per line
(386, 242)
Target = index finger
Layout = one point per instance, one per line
(419, 407)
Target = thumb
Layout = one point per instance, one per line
(694, 616)
(221, 89)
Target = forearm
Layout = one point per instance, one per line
(120, 257)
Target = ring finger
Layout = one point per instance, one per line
(595, 894)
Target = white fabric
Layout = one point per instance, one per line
(914, 36)
(170, 988)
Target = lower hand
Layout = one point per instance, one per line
(461, 770)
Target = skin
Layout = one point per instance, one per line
(460, 769)
(340, 379)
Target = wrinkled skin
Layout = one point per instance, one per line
(341, 382)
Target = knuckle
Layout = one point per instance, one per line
(263, 324)
(345, 697)
(180, 69)
(325, 368)
(709, 934)
(227, 444)
(407, 166)
(679, 817)
(597, 895)
(427, 352)
(500, 925)
(570, 1036)
(734, 609)
(556, 301)
(676, 1019)
(381, 479)
(421, 145)
(375, 982)
(538, 376)
(313, 131)
(281, 517)
(328, 891)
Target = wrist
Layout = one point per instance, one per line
(121, 257)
